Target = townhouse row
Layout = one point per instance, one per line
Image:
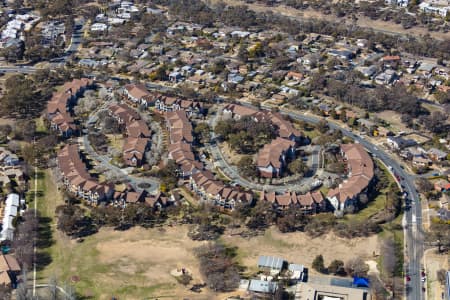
(138, 94)
(76, 178)
(137, 134)
(201, 181)
(59, 107)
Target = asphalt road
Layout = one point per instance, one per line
(414, 233)
(104, 160)
(413, 230)
(296, 185)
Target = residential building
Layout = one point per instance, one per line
(398, 143)
(77, 179)
(180, 129)
(136, 92)
(360, 173)
(9, 270)
(272, 158)
(59, 107)
(11, 211)
(137, 132)
(437, 155)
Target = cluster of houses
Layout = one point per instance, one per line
(272, 158)
(59, 107)
(17, 24)
(10, 212)
(272, 270)
(409, 150)
(137, 132)
(199, 180)
(9, 168)
(118, 13)
(76, 178)
(360, 168)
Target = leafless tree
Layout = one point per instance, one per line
(357, 267)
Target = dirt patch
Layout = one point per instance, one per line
(230, 155)
(433, 263)
(299, 248)
(385, 27)
(394, 119)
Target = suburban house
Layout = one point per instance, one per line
(360, 173)
(442, 185)
(137, 132)
(59, 107)
(437, 155)
(77, 179)
(398, 143)
(273, 157)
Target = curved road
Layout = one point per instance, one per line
(413, 216)
(414, 234)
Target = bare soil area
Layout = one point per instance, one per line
(433, 263)
(377, 25)
(298, 247)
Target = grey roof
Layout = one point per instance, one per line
(437, 152)
(272, 262)
(261, 286)
(295, 267)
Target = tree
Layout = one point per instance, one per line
(160, 73)
(203, 132)
(247, 167)
(336, 267)
(322, 126)
(218, 267)
(298, 167)
(424, 185)
(318, 264)
(357, 267)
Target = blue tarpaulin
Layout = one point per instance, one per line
(360, 282)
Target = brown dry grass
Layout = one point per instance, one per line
(388, 27)
(435, 262)
(299, 248)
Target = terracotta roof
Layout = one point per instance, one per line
(361, 169)
(270, 154)
(137, 91)
(73, 168)
(179, 127)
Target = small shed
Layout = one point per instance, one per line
(270, 262)
(262, 286)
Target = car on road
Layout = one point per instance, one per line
(408, 278)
